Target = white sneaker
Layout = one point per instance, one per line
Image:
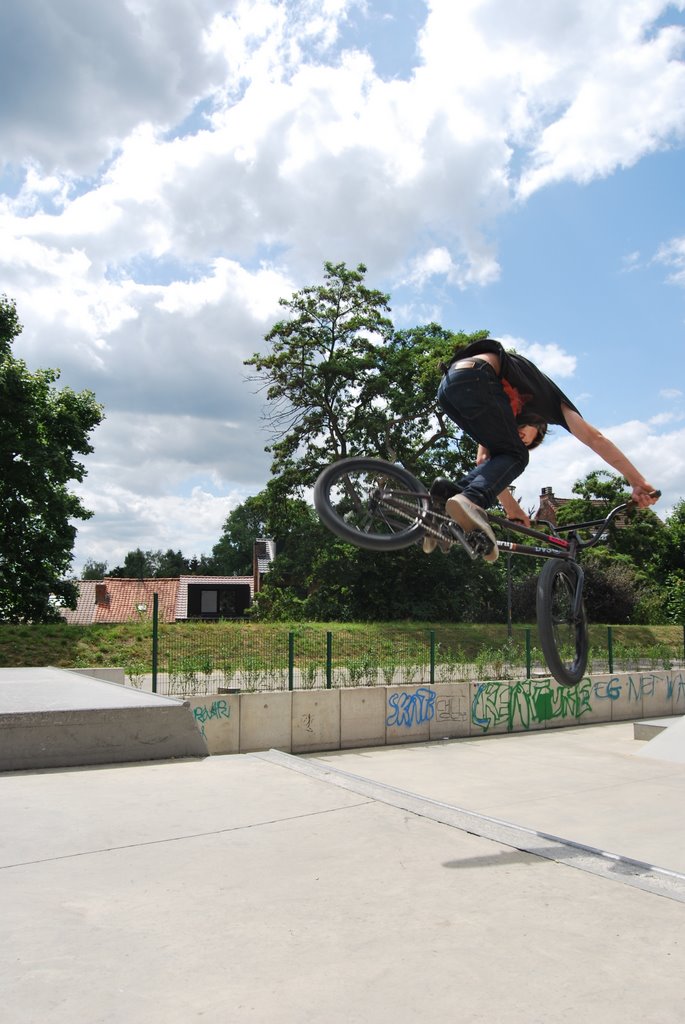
(472, 517)
(431, 543)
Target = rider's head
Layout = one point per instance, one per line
(531, 428)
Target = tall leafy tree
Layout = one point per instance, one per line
(340, 381)
(42, 431)
(139, 564)
(93, 570)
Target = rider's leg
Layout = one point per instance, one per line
(475, 400)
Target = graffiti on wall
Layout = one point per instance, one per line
(523, 704)
(408, 709)
(452, 709)
(213, 712)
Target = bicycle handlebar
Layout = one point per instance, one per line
(602, 524)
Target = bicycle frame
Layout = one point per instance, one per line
(565, 549)
(391, 510)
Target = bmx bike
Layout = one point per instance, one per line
(381, 506)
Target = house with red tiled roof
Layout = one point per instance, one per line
(114, 599)
(549, 504)
(122, 600)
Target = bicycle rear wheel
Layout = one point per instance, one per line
(563, 635)
(371, 503)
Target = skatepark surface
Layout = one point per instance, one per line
(531, 877)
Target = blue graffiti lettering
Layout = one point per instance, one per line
(410, 709)
(204, 713)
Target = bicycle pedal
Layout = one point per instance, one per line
(483, 546)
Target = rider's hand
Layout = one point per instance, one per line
(646, 495)
(482, 456)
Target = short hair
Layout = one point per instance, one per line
(530, 419)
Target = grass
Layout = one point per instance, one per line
(129, 646)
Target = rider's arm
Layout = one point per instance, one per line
(512, 508)
(483, 455)
(613, 456)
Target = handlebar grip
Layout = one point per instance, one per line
(655, 494)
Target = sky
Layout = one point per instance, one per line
(170, 168)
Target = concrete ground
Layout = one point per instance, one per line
(392, 884)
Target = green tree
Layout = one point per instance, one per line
(673, 551)
(340, 381)
(232, 554)
(93, 570)
(139, 564)
(42, 430)
(638, 535)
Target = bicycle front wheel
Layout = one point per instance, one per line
(563, 635)
(371, 503)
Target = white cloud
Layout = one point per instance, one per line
(177, 167)
(551, 359)
(672, 254)
(562, 460)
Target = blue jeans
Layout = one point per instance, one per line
(475, 400)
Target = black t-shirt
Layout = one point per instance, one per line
(529, 390)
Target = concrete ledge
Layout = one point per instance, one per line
(302, 721)
(64, 739)
(648, 730)
(111, 675)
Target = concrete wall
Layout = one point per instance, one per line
(110, 675)
(313, 720)
(62, 739)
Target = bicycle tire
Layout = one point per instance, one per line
(563, 638)
(368, 512)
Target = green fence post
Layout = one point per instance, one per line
(529, 671)
(432, 661)
(155, 639)
(291, 660)
(329, 660)
(610, 647)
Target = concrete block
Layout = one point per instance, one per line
(571, 705)
(111, 675)
(606, 689)
(265, 721)
(217, 716)
(678, 691)
(500, 706)
(409, 712)
(315, 720)
(62, 739)
(628, 704)
(657, 693)
(648, 730)
(362, 717)
(452, 711)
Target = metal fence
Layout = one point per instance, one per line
(241, 659)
